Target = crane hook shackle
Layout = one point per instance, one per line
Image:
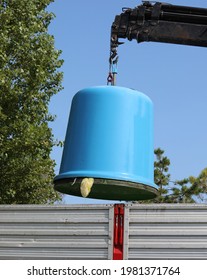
(113, 59)
(111, 80)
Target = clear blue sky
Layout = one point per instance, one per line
(173, 76)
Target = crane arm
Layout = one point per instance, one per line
(160, 22)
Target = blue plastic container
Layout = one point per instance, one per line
(109, 138)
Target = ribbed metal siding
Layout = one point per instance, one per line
(56, 232)
(166, 232)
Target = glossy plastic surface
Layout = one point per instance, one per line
(109, 135)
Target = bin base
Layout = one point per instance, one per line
(108, 189)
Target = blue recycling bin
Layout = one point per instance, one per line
(109, 138)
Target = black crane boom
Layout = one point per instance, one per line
(160, 22)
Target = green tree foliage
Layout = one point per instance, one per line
(161, 175)
(29, 76)
(188, 190)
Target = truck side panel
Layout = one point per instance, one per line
(56, 232)
(166, 231)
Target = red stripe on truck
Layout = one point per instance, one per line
(118, 244)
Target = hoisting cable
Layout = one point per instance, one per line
(113, 59)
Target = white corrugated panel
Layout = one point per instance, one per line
(56, 232)
(165, 231)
